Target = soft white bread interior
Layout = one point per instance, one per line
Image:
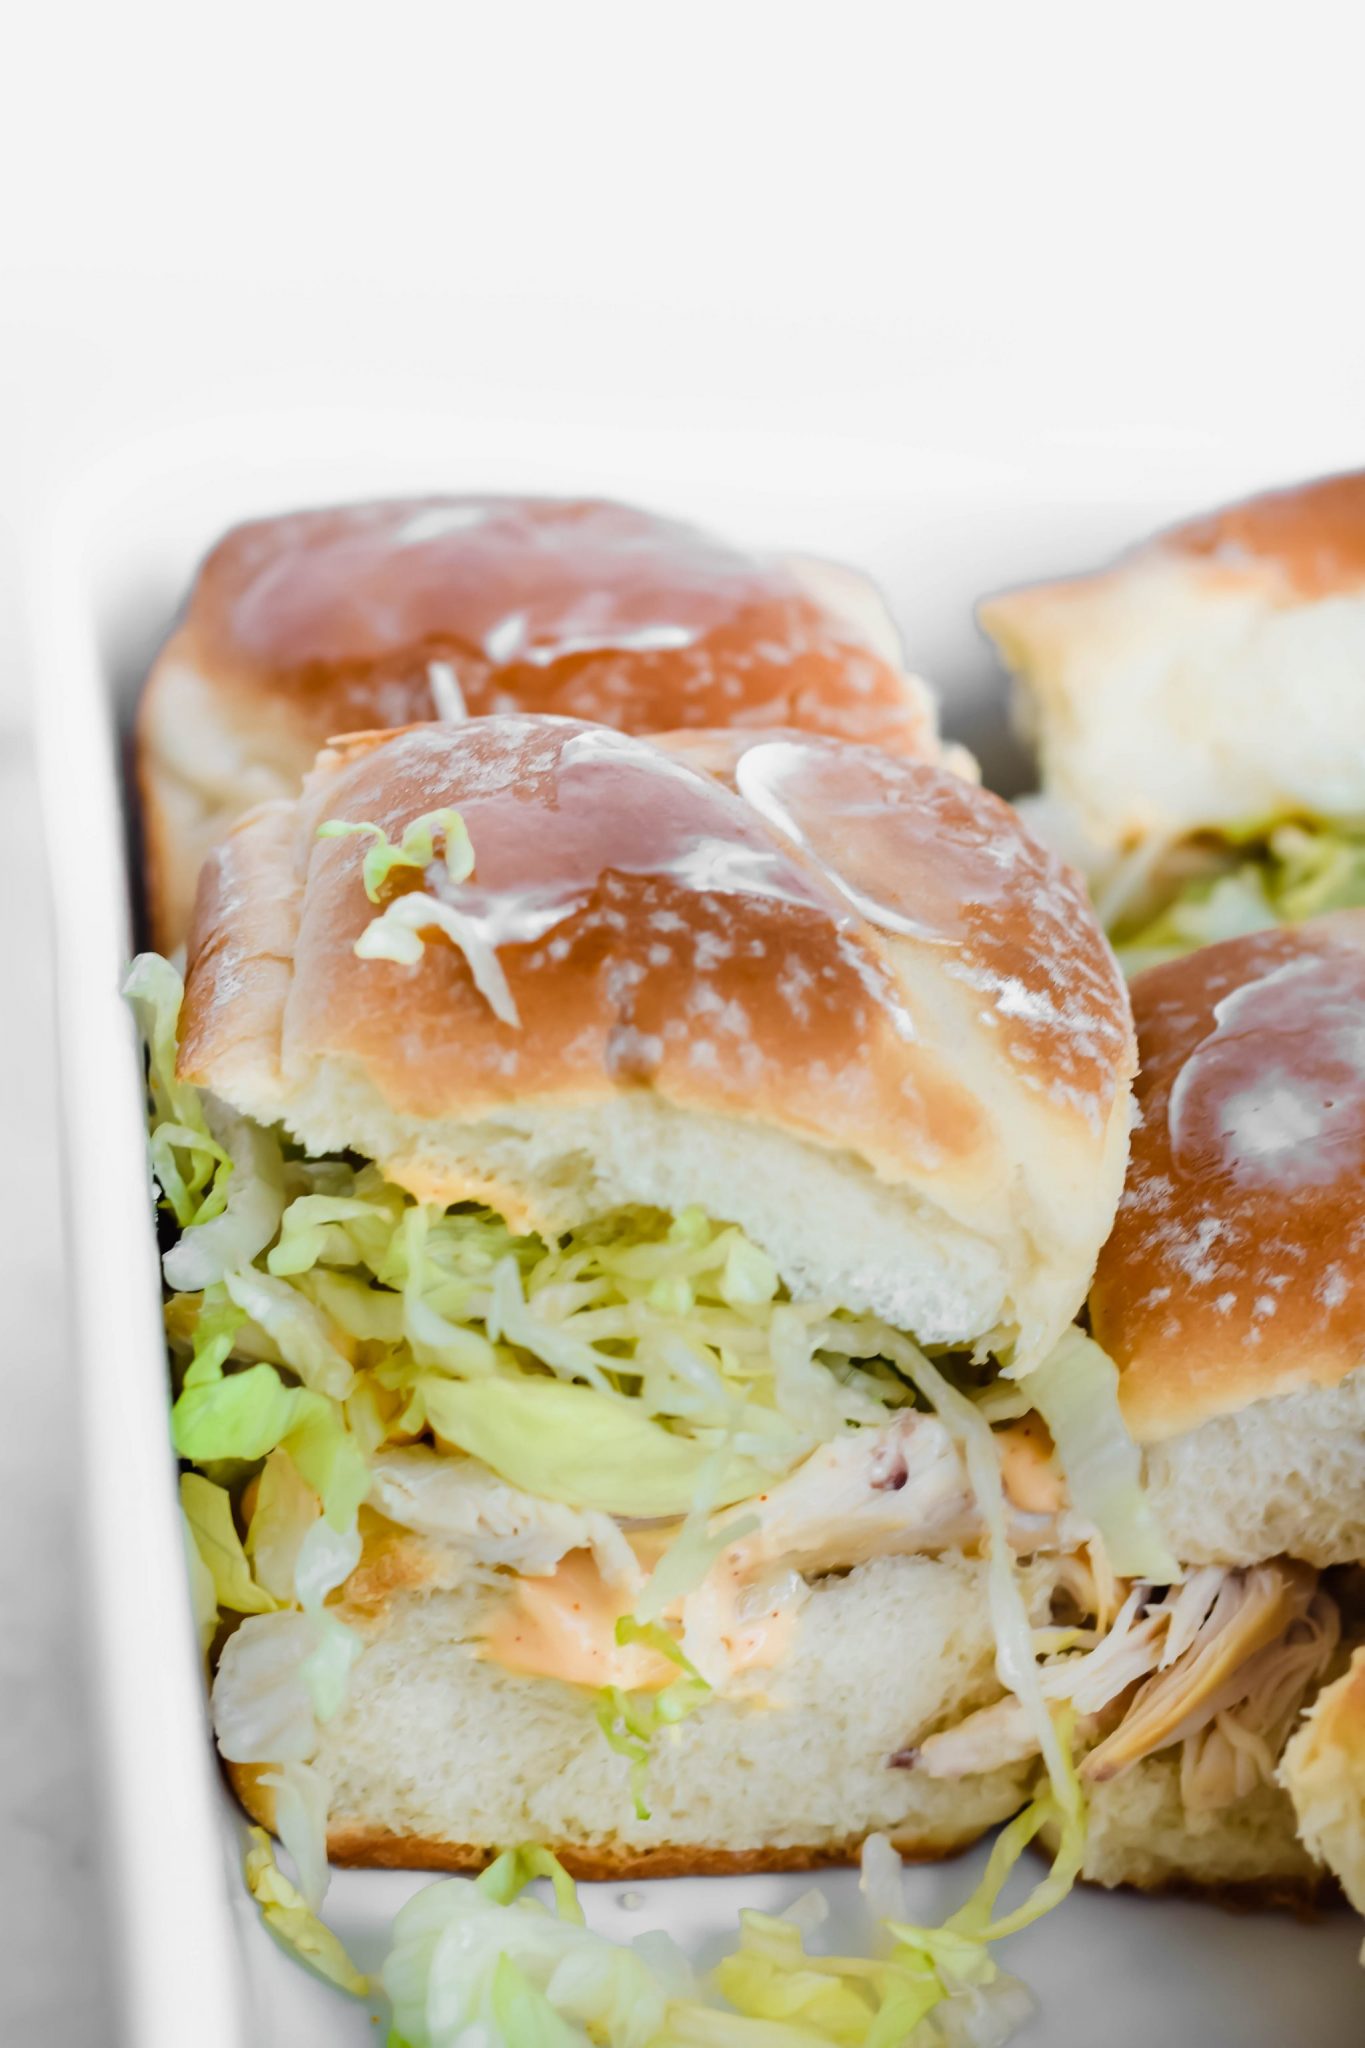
(323, 622)
(1280, 1476)
(440, 1756)
(1142, 1834)
(1213, 676)
(846, 1003)
(1324, 1771)
(1231, 1293)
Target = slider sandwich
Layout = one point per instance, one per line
(358, 616)
(1199, 712)
(626, 1193)
(1231, 1297)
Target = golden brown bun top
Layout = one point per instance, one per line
(1313, 535)
(581, 608)
(643, 911)
(1236, 1268)
(861, 951)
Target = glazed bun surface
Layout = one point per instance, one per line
(332, 621)
(1234, 1271)
(847, 1003)
(1212, 677)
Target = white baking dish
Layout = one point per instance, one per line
(106, 570)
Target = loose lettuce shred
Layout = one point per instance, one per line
(286, 1911)
(631, 1720)
(415, 850)
(483, 1959)
(1252, 880)
(396, 933)
(632, 1367)
(1076, 1391)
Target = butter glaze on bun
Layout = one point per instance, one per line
(1231, 1293)
(1211, 677)
(365, 616)
(848, 1004)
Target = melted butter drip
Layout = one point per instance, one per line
(605, 804)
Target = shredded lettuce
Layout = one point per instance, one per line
(287, 1912)
(203, 1592)
(1261, 875)
(262, 1710)
(253, 1179)
(416, 848)
(1076, 1391)
(640, 1366)
(1317, 867)
(630, 1720)
(573, 1444)
(326, 1560)
(368, 1318)
(297, 1330)
(242, 1415)
(483, 1959)
(323, 1444)
(396, 934)
(284, 1510)
(187, 1160)
(208, 1515)
(302, 1798)
(1015, 1651)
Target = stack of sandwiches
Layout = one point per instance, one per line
(708, 1319)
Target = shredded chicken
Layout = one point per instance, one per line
(1220, 1664)
(1250, 1612)
(1241, 1747)
(460, 1502)
(899, 1489)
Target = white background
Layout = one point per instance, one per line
(1061, 242)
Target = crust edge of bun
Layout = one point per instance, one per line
(358, 1844)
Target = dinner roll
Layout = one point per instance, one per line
(1231, 1293)
(323, 622)
(1214, 676)
(849, 1005)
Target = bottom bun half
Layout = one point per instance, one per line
(440, 1758)
(1143, 1837)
